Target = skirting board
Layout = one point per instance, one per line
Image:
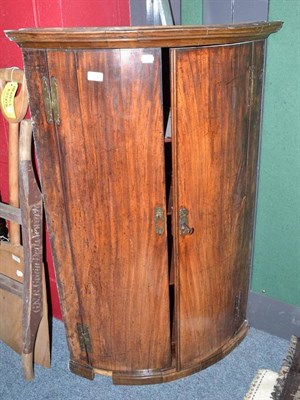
(273, 316)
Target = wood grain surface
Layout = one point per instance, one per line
(110, 187)
(103, 177)
(168, 375)
(49, 167)
(145, 36)
(215, 175)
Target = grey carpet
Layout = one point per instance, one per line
(227, 380)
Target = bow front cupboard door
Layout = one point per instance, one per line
(105, 190)
(215, 159)
(151, 234)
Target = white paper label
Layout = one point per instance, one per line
(19, 273)
(95, 76)
(16, 258)
(147, 59)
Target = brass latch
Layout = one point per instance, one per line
(184, 228)
(51, 100)
(55, 100)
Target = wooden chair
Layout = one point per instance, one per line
(23, 299)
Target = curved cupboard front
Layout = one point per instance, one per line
(147, 144)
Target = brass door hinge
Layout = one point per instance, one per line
(251, 85)
(84, 337)
(51, 100)
(237, 305)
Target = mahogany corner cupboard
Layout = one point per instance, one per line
(150, 221)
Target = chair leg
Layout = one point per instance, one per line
(32, 214)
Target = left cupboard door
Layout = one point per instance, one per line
(108, 227)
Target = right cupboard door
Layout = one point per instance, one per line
(216, 102)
